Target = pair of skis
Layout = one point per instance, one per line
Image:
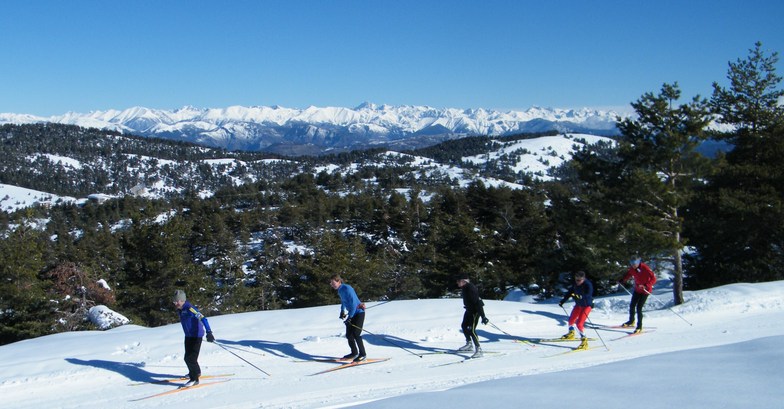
(466, 358)
(217, 379)
(538, 341)
(541, 340)
(578, 349)
(347, 364)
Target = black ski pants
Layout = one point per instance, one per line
(470, 321)
(192, 348)
(354, 334)
(638, 301)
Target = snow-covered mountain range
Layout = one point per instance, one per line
(316, 130)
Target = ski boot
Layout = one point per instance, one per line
(478, 353)
(637, 330)
(583, 343)
(628, 324)
(568, 335)
(468, 347)
(192, 382)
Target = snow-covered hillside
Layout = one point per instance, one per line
(718, 350)
(535, 157)
(13, 198)
(260, 128)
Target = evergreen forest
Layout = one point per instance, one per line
(248, 231)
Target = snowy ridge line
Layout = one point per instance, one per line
(255, 128)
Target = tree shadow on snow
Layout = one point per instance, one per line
(131, 370)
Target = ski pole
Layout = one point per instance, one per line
(625, 289)
(243, 350)
(248, 362)
(565, 312)
(665, 305)
(504, 332)
(512, 336)
(376, 305)
(597, 333)
(379, 336)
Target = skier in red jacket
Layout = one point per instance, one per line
(644, 279)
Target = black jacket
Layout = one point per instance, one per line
(471, 301)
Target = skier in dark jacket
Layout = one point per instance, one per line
(194, 324)
(352, 311)
(474, 310)
(582, 292)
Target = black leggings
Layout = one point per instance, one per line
(192, 348)
(470, 321)
(354, 334)
(638, 301)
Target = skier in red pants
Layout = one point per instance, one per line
(582, 292)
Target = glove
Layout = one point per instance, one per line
(485, 320)
(560, 304)
(342, 315)
(577, 296)
(210, 337)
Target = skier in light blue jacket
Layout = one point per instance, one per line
(352, 311)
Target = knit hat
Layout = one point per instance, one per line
(179, 295)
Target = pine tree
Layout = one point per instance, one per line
(644, 189)
(157, 263)
(737, 220)
(751, 103)
(24, 308)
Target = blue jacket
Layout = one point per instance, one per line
(193, 322)
(583, 294)
(349, 300)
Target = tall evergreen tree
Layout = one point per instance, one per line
(24, 308)
(737, 220)
(751, 103)
(157, 263)
(644, 190)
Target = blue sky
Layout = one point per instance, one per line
(81, 56)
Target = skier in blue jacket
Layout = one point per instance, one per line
(194, 324)
(352, 311)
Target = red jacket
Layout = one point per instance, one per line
(644, 279)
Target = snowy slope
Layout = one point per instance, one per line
(714, 353)
(13, 198)
(536, 157)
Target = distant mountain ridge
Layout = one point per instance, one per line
(315, 130)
